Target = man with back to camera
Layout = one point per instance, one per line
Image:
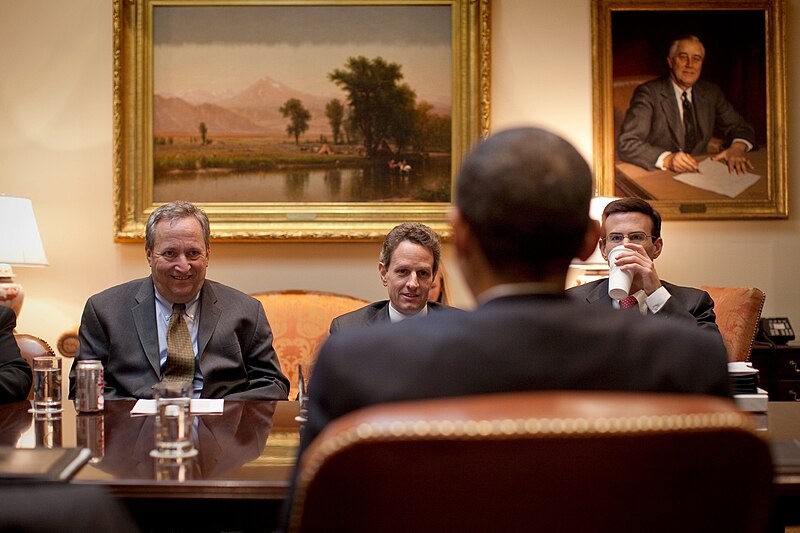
(521, 214)
(635, 225)
(671, 119)
(129, 327)
(409, 261)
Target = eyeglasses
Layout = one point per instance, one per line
(636, 237)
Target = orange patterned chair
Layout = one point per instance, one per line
(738, 310)
(300, 322)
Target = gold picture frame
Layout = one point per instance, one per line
(136, 141)
(744, 47)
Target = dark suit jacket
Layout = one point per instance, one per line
(653, 122)
(376, 313)
(118, 327)
(685, 303)
(15, 374)
(519, 343)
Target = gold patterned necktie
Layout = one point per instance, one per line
(180, 354)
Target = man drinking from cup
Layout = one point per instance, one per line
(631, 228)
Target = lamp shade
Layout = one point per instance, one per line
(596, 208)
(20, 243)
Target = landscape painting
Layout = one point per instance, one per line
(299, 120)
(302, 104)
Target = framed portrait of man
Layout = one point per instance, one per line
(689, 106)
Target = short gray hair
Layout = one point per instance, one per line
(175, 211)
(691, 38)
(416, 233)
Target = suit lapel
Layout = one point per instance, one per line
(669, 106)
(704, 115)
(209, 316)
(599, 295)
(144, 321)
(381, 314)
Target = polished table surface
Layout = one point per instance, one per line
(248, 451)
(246, 454)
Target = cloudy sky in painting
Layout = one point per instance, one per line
(227, 48)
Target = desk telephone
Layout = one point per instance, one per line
(777, 330)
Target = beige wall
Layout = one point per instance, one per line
(56, 142)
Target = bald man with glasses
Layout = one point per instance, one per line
(634, 224)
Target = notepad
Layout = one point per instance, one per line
(41, 464)
(198, 406)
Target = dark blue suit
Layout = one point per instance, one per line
(376, 313)
(517, 343)
(685, 303)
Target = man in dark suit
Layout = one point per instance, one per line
(672, 118)
(15, 374)
(225, 346)
(408, 264)
(521, 214)
(634, 224)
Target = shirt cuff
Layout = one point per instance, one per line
(747, 143)
(657, 300)
(660, 161)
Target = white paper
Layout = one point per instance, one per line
(714, 176)
(198, 406)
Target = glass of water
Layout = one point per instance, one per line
(173, 424)
(47, 385)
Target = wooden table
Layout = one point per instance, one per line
(246, 457)
(632, 180)
(241, 473)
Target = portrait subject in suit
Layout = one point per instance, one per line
(672, 119)
(176, 325)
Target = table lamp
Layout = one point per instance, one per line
(594, 267)
(20, 245)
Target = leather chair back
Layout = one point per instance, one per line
(738, 310)
(546, 461)
(300, 322)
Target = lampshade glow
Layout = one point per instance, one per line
(20, 243)
(595, 261)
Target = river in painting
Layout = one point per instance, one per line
(428, 180)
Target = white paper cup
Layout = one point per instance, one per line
(619, 281)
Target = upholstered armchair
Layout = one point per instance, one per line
(300, 322)
(738, 310)
(539, 461)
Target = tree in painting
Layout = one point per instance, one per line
(298, 118)
(381, 108)
(334, 111)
